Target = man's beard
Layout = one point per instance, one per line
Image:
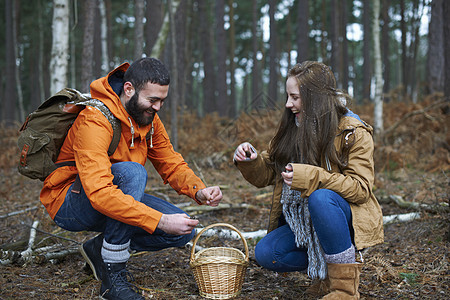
(137, 112)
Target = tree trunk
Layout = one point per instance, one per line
(97, 62)
(367, 66)
(174, 84)
(385, 45)
(378, 99)
(288, 45)
(87, 59)
(208, 64)
(344, 45)
(73, 50)
(323, 31)
(60, 46)
(109, 34)
(413, 48)
(232, 67)
(436, 59)
(302, 31)
(17, 55)
(404, 72)
(154, 16)
(9, 103)
(104, 37)
(446, 12)
(256, 76)
(139, 9)
(221, 50)
(273, 59)
(183, 56)
(158, 48)
(37, 58)
(335, 45)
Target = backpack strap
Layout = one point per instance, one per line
(76, 186)
(115, 123)
(117, 131)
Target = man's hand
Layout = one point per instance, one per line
(177, 224)
(210, 196)
(288, 174)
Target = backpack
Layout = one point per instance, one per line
(44, 131)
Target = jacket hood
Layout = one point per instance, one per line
(108, 90)
(351, 121)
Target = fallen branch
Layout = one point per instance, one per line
(230, 234)
(57, 255)
(398, 200)
(23, 258)
(18, 212)
(400, 218)
(226, 233)
(205, 208)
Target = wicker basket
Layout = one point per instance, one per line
(219, 271)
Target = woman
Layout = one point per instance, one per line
(320, 162)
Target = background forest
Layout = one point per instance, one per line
(225, 56)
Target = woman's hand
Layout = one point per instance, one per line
(288, 174)
(245, 152)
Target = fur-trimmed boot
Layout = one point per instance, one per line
(344, 281)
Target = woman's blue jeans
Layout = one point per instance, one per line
(331, 217)
(77, 213)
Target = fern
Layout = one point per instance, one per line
(382, 267)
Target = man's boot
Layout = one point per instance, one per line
(344, 281)
(91, 251)
(115, 283)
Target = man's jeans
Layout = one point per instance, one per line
(332, 220)
(77, 213)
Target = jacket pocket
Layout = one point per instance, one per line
(35, 158)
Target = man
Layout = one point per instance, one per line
(111, 197)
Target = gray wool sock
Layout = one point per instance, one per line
(112, 253)
(344, 257)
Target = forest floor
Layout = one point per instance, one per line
(412, 163)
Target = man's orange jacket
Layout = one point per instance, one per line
(87, 143)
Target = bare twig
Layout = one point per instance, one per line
(59, 254)
(18, 212)
(26, 254)
(53, 235)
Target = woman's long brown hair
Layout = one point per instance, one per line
(321, 110)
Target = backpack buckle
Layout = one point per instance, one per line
(23, 155)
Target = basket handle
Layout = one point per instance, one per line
(216, 225)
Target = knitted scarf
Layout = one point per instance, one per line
(296, 213)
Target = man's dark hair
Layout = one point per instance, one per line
(147, 69)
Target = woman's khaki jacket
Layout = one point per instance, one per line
(354, 183)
